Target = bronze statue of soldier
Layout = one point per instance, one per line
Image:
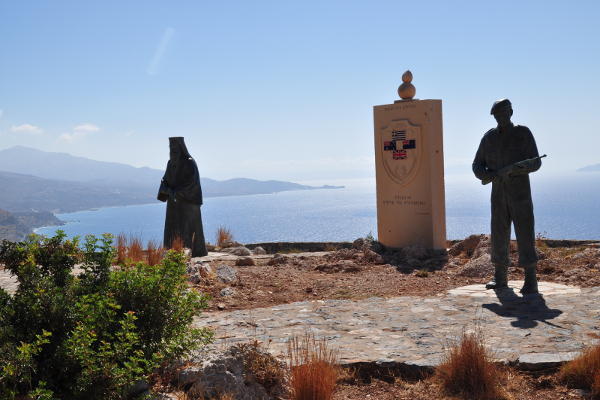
(506, 156)
(180, 188)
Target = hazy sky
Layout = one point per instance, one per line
(284, 90)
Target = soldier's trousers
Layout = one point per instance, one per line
(520, 212)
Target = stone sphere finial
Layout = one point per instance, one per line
(407, 90)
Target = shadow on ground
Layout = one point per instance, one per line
(527, 310)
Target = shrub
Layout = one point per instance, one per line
(468, 371)
(313, 368)
(91, 336)
(583, 371)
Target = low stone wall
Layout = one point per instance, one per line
(551, 242)
(298, 247)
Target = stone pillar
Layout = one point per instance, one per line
(409, 166)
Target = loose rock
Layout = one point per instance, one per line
(360, 244)
(195, 279)
(221, 372)
(340, 266)
(238, 251)
(371, 256)
(278, 259)
(244, 262)
(226, 274)
(466, 246)
(228, 291)
(259, 251)
(480, 267)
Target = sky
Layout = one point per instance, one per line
(285, 90)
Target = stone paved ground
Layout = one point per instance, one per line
(531, 331)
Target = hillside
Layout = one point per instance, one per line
(25, 193)
(63, 166)
(15, 226)
(59, 182)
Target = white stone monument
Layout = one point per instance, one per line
(409, 166)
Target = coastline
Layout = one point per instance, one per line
(58, 215)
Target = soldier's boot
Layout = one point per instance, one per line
(530, 286)
(500, 280)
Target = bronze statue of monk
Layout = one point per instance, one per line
(180, 188)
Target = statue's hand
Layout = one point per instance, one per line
(506, 171)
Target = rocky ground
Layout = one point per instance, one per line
(244, 280)
(361, 272)
(240, 279)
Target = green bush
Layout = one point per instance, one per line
(90, 336)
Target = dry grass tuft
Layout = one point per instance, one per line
(224, 236)
(130, 250)
(177, 244)
(121, 249)
(265, 368)
(422, 273)
(584, 371)
(468, 371)
(154, 253)
(198, 394)
(313, 368)
(135, 251)
(596, 387)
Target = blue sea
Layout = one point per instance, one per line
(566, 207)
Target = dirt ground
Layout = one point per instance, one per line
(515, 385)
(360, 273)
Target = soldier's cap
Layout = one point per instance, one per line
(500, 104)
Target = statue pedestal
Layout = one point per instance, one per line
(409, 166)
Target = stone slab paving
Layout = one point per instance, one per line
(531, 331)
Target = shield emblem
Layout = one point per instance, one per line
(401, 143)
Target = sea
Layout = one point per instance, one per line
(565, 206)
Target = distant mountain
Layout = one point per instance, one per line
(15, 226)
(26, 193)
(58, 182)
(590, 168)
(63, 166)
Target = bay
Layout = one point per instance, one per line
(566, 207)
